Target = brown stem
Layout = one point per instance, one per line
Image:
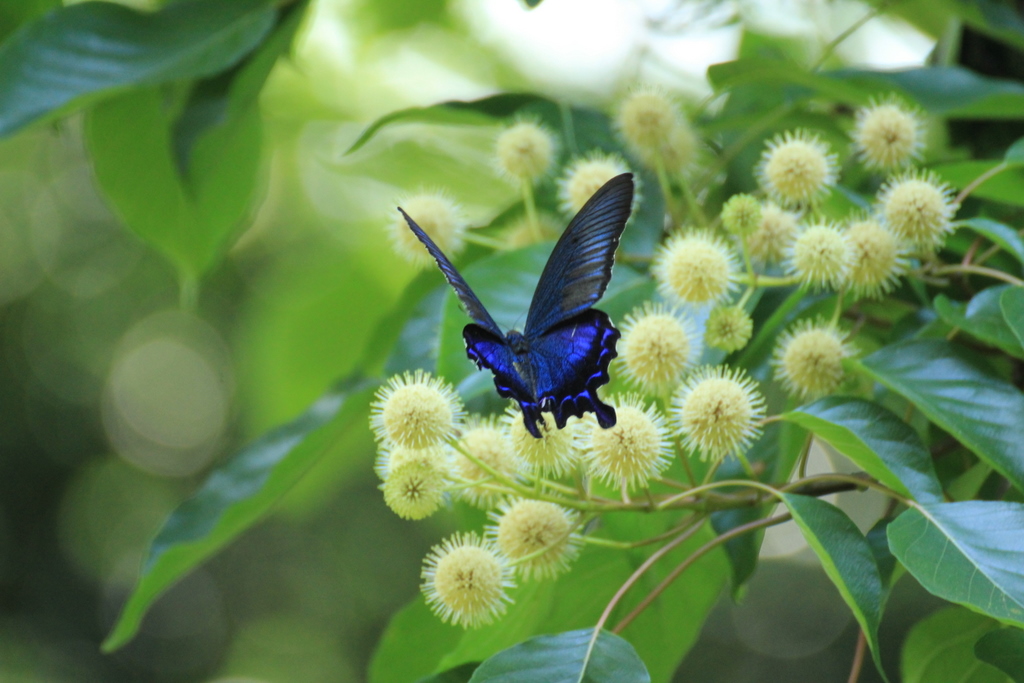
(858, 657)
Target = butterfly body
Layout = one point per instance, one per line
(561, 357)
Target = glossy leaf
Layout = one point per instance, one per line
(237, 494)
(396, 659)
(90, 49)
(971, 553)
(1003, 649)
(846, 558)
(875, 439)
(565, 658)
(940, 649)
(999, 233)
(961, 395)
(1011, 304)
(982, 317)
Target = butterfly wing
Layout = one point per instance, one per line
(580, 265)
(493, 353)
(470, 304)
(570, 362)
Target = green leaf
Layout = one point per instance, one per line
(971, 553)
(91, 49)
(848, 560)
(1015, 153)
(460, 674)
(1011, 304)
(1006, 187)
(875, 439)
(237, 494)
(1003, 649)
(565, 658)
(804, 84)
(940, 649)
(983, 318)
(397, 659)
(1002, 235)
(995, 19)
(957, 392)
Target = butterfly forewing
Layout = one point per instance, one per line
(580, 265)
(470, 304)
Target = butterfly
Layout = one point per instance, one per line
(561, 357)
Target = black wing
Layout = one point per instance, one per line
(580, 265)
(470, 304)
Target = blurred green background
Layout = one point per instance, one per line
(116, 401)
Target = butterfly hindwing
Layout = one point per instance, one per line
(493, 353)
(580, 265)
(470, 303)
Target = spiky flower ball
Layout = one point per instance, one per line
(390, 457)
(808, 359)
(536, 536)
(488, 441)
(728, 328)
(918, 208)
(877, 258)
(636, 450)
(520, 232)
(676, 153)
(741, 215)
(415, 410)
(465, 581)
(414, 489)
(717, 412)
(646, 118)
(696, 267)
(585, 176)
(524, 151)
(556, 453)
(888, 135)
(797, 168)
(774, 234)
(439, 216)
(820, 256)
(658, 345)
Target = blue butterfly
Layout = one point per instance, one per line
(561, 357)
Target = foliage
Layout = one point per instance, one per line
(885, 324)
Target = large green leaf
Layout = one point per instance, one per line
(957, 392)
(803, 84)
(999, 233)
(878, 441)
(1003, 649)
(995, 19)
(1011, 304)
(848, 560)
(237, 494)
(982, 317)
(971, 553)
(940, 649)
(93, 48)
(1006, 187)
(565, 658)
(397, 660)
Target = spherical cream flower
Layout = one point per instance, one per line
(537, 537)
(415, 410)
(918, 208)
(696, 267)
(797, 168)
(808, 359)
(524, 151)
(414, 489)
(487, 440)
(717, 412)
(676, 153)
(585, 176)
(820, 256)
(556, 452)
(878, 259)
(439, 216)
(636, 450)
(646, 118)
(521, 233)
(390, 457)
(741, 215)
(659, 344)
(775, 233)
(888, 135)
(465, 581)
(728, 328)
